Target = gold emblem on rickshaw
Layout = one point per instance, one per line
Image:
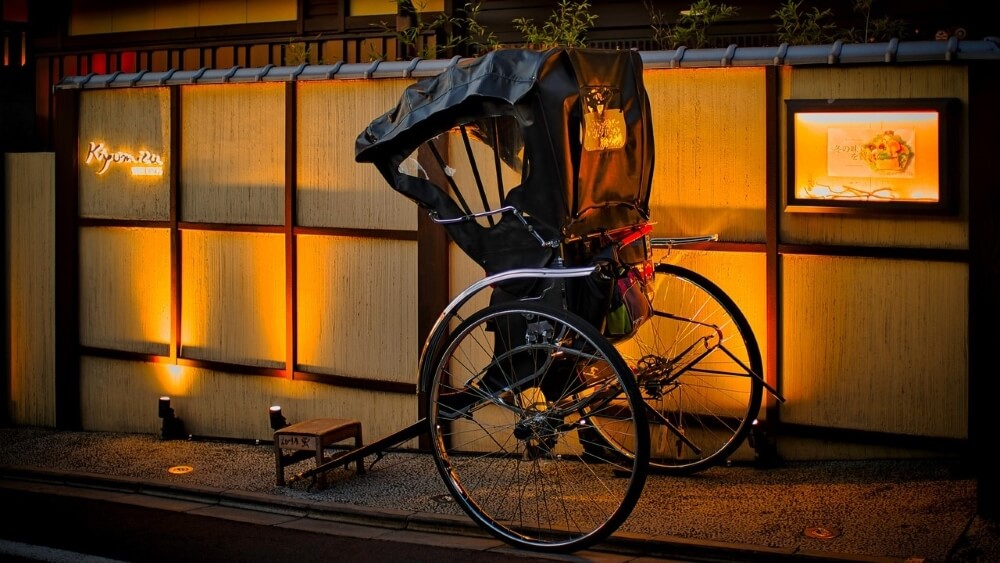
(603, 120)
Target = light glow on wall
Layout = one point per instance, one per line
(233, 298)
(174, 380)
(125, 288)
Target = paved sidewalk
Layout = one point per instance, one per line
(914, 510)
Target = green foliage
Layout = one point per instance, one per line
(877, 29)
(479, 39)
(414, 40)
(814, 27)
(810, 27)
(298, 51)
(570, 21)
(691, 28)
(567, 26)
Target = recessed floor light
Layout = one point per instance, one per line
(180, 469)
(821, 532)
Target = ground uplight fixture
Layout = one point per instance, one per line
(173, 427)
(277, 419)
(765, 450)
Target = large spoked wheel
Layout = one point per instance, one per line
(700, 372)
(510, 399)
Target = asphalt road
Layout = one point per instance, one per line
(44, 527)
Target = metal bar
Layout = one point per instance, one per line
(444, 168)
(475, 172)
(358, 454)
(658, 242)
(497, 164)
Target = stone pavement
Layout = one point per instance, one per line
(901, 510)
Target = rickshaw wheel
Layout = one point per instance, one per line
(510, 398)
(699, 368)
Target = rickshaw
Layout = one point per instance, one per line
(587, 363)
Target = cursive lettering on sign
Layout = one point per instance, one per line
(97, 153)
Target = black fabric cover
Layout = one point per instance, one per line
(566, 191)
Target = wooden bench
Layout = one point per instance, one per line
(309, 438)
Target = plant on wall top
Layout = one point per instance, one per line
(479, 39)
(413, 37)
(808, 27)
(567, 26)
(691, 28)
(875, 29)
(298, 51)
(814, 27)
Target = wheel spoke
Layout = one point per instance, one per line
(516, 455)
(699, 368)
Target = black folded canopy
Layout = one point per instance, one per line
(573, 123)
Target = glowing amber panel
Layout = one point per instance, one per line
(875, 344)
(357, 307)
(29, 231)
(124, 153)
(115, 17)
(233, 298)
(382, 7)
(233, 162)
(710, 167)
(867, 156)
(125, 289)
(333, 189)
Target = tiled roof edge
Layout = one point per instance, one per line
(837, 53)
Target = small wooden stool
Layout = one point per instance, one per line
(310, 437)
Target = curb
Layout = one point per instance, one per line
(620, 543)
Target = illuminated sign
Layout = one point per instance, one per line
(145, 163)
(870, 155)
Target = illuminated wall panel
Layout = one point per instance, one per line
(710, 165)
(233, 162)
(333, 189)
(131, 17)
(381, 7)
(897, 81)
(121, 396)
(741, 275)
(221, 12)
(125, 289)
(259, 11)
(875, 345)
(237, 406)
(116, 17)
(463, 272)
(357, 307)
(124, 154)
(29, 198)
(233, 297)
(169, 14)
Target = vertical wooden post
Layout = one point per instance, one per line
(772, 230)
(174, 163)
(433, 267)
(67, 266)
(5, 381)
(291, 180)
(984, 280)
